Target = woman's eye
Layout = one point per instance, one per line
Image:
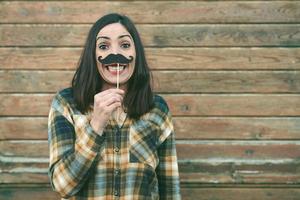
(125, 45)
(103, 46)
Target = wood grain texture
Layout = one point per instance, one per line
(199, 161)
(191, 178)
(17, 104)
(235, 128)
(201, 193)
(234, 105)
(21, 193)
(204, 171)
(235, 35)
(186, 81)
(188, 150)
(127, 0)
(193, 172)
(8, 166)
(25, 178)
(183, 105)
(241, 193)
(22, 148)
(154, 12)
(229, 71)
(161, 58)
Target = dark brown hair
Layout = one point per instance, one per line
(87, 81)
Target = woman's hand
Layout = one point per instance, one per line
(105, 103)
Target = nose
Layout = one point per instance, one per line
(114, 49)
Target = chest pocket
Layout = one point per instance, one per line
(143, 140)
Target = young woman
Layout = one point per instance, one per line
(107, 142)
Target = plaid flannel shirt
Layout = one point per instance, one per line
(135, 161)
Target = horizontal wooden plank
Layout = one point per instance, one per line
(234, 105)
(246, 179)
(225, 81)
(247, 128)
(186, 81)
(23, 178)
(222, 171)
(132, 0)
(192, 178)
(204, 166)
(187, 193)
(241, 193)
(23, 166)
(247, 171)
(20, 104)
(154, 12)
(187, 150)
(192, 171)
(236, 128)
(180, 105)
(236, 35)
(238, 149)
(35, 193)
(159, 58)
(199, 193)
(234, 169)
(23, 148)
(30, 81)
(23, 128)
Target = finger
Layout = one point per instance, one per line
(117, 90)
(113, 107)
(102, 93)
(112, 96)
(111, 100)
(109, 91)
(100, 100)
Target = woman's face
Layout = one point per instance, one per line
(113, 40)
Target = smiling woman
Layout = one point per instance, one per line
(110, 35)
(95, 155)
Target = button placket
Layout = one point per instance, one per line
(117, 170)
(116, 149)
(116, 193)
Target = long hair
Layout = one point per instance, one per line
(87, 81)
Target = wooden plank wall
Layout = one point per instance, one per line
(228, 69)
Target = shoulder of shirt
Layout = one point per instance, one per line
(161, 104)
(162, 118)
(66, 94)
(64, 98)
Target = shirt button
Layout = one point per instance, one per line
(117, 149)
(117, 171)
(116, 193)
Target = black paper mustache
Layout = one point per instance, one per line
(115, 58)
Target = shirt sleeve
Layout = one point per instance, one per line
(167, 169)
(72, 154)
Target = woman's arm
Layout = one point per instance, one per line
(167, 169)
(71, 157)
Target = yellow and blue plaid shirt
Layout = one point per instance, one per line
(135, 161)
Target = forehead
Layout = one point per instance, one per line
(113, 30)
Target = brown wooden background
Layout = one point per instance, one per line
(230, 71)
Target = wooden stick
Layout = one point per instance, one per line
(118, 86)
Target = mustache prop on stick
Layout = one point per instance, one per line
(116, 59)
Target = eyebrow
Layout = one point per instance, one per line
(108, 38)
